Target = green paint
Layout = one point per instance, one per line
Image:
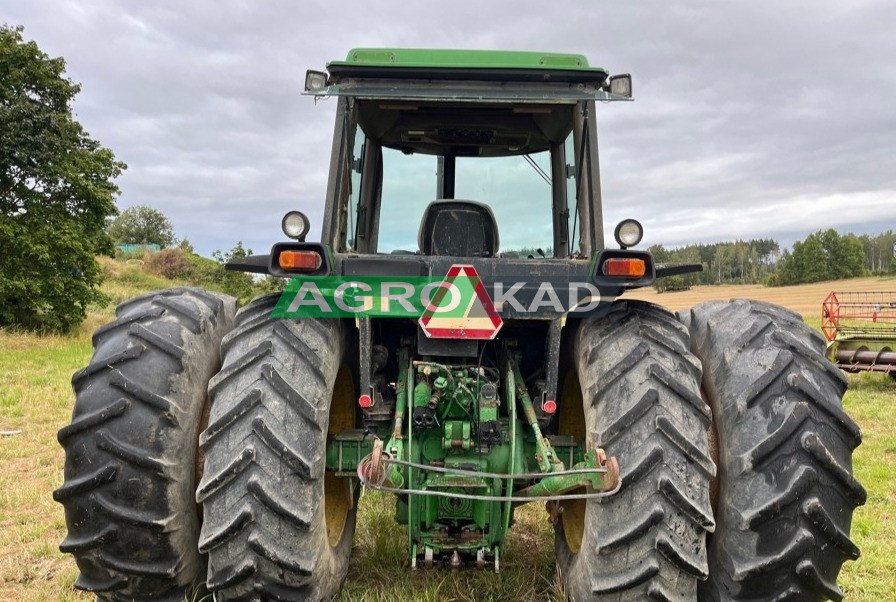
(545, 456)
(462, 398)
(554, 485)
(465, 59)
(422, 393)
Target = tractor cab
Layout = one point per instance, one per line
(511, 133)
(483, 158)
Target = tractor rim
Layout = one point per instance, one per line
(337, 490)
(572, 422)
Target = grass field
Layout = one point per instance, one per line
(35, 397)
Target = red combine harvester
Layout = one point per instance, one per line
(861, 331)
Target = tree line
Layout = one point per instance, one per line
(822, 255)
(723, 262)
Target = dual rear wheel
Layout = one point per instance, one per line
(196, 454)
(735, 455)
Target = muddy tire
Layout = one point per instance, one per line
(642, 404)
(786, 491)
(277, 526)
(130, 450)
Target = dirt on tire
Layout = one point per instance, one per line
(786, 489)
(130, 473)
(640, 386)
(262, 490)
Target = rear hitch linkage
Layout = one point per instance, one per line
(598, 473)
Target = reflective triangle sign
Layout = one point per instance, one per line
(460, 308)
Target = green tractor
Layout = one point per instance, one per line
(704, 455)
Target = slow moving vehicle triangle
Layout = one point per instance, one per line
(474, 315)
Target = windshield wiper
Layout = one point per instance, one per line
(538, 169)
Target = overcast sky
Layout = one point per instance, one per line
(751, 119)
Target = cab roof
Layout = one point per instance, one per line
(416, 63)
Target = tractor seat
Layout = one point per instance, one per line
(456, 228)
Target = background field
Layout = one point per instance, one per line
(35, 397)
(804, 299)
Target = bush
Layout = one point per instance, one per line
(671, 284)
(206, 272)
(238, 284)
(170, 263)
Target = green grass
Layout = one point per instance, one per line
(35, 396)
(871, 401)
(124, 281)
(379, 566)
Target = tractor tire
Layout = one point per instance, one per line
(639, 386)
(785, 493)
(130, 450)
(277, 526)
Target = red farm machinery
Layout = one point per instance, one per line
(861, 331)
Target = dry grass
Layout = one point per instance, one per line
(805, 299)
(35, 396)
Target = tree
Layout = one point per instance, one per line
(880, 251)
(807, 263)
(56, 191)
(844, 255)
(141, 225)
(238, 284)
(822, 256)
(688, 254)
(186, 246)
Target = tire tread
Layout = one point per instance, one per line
(264, 459)
(788, 492)
(642, 404)
(133, 428)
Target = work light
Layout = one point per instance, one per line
(628, 233)
(296, 225)
(621, 85)
(315, 80)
